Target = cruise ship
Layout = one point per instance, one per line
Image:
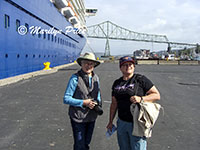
(33, 32)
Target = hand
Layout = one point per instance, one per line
(89, 103)
(109, 126)
(135, 99)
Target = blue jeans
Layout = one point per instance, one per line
(82, 133)
(125, 138)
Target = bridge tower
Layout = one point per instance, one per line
(107, 48)
(168, 48)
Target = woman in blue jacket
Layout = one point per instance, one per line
(83, 94)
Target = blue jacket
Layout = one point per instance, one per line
(71, 87)
(81, 87)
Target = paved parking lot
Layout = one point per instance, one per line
(33, 116)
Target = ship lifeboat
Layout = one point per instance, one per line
(78, 25)
(67, 12)
(74, 20)
(60, 3)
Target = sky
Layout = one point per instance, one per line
(179, 20)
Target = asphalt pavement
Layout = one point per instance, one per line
(33, 116)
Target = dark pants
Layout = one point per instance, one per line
(82, 133)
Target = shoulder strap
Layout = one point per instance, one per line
(136, 78)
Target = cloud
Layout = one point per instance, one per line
(178, 19)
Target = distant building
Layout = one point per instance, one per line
(141, 54)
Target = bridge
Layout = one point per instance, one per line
(110, 31)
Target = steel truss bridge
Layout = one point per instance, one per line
(108, 30)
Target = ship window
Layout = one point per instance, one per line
(55, 38)
(6, 55)
(7, 21)
(26, 56)
(91, 10)
(39, 56)
(52, 37)
(69, 44)
(48, 36)
(39, 34)
(17, 55)
(44, 36)
(17, 24)
(58, 40)
(33, 55)
(27, 27)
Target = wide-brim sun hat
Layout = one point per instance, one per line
(90, 57)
